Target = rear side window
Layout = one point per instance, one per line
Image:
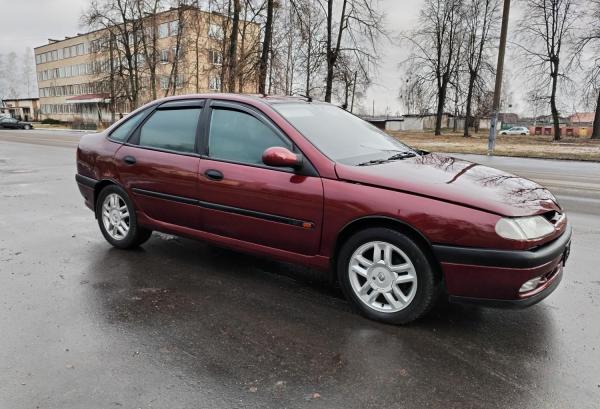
(239, 137)
(173, 129)
(124, 130)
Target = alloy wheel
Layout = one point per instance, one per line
(382, 276)
(115, 216)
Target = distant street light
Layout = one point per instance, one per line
(499, 71)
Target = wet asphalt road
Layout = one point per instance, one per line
(181, 324)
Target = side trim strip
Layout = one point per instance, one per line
(504, 258)
(225, 208)
(166, 196)
(86, 181)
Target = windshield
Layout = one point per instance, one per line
(342, 136)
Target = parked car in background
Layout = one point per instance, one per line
(310, 183)
(13, 123)
(515, 130)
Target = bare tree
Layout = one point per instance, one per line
(480, 26)
(233, 46)
(435, 47)
(28, 73)
(415, 94)
(266, 48)
(10, 74)
(359, 25)
(588, 49)
(149, 39)
(547, 29)
(121, 23)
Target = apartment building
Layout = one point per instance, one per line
(87, 79)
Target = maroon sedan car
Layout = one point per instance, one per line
(308, 182)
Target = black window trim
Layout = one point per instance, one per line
(192, 103)
(307, 169)
(144, 112)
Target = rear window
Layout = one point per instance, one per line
(122, 133)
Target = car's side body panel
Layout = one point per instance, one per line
(160, 183)
(264, 206)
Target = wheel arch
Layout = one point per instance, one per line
(98, 188)
(367, 222)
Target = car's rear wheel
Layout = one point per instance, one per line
(117, 220)
(386, 276)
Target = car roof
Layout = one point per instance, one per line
(248, 98)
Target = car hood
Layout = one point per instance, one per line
(458, 181)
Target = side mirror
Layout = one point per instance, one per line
(279, 157)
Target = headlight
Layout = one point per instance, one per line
(524, 228)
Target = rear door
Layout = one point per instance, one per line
(242, 198)
(159, 164)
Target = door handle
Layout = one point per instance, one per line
(130, 160)
(213, 174)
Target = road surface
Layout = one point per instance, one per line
(181, 324)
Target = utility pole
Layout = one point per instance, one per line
(499, 71)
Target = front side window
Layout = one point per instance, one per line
(239, 137)
(122, 132)
(340, 135)
(172, 129)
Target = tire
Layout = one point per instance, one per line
(116, 203)
(523, 134)
(27, 127)
(419, 294)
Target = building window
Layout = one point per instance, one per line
(176, 53)
(173, 28)
(215, 57)
(163, 30)
(55, 55)
(164, 56)
(215, 31)
(164, 82)
(38, 59)
(67, 52)
(43, 58)
(214, 83)
(80, 49)
(179, 81)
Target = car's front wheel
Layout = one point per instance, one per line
(27, 127)
(117, 219)
(387, 276)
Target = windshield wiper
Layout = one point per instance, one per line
(398, 156)
(402, 155)
(372, 162)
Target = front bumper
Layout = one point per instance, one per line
(494, 277)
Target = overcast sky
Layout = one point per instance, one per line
(37, 20)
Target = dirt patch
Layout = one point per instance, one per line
(506, 145)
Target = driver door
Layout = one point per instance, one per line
(244, 199)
